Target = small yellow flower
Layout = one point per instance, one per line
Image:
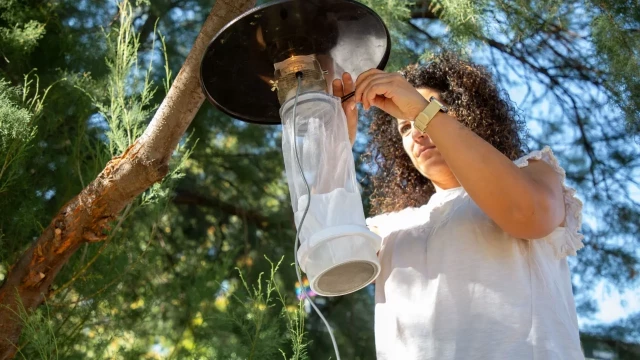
(137, 304)
(260, 306)
(197, 320)
(221, 303)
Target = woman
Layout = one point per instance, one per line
(475, 232)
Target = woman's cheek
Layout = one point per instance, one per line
(407, 143)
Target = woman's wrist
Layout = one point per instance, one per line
(421, 104)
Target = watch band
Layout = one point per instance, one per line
(424, 118)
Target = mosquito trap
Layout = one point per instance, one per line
(274, 65)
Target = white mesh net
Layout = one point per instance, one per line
(327, 162)
(337, 251)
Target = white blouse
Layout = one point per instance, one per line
(454, 285)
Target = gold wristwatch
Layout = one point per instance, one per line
(424, 118)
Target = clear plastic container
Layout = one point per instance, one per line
(337, 251)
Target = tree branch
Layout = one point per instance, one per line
(553, 83)
(423, 9)
(186, 197)
(421, 31)
(86, 217)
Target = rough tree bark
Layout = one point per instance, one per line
(87, 216)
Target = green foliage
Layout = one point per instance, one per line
(16, 131)
(462, 17)
(258, 318)
(21, 38)
(93, 321)
(19, 110)
(618, 338)
(295, 326)
(618, 46)
(126, 106)
(39, 329)
(395, 14)
(17, 35)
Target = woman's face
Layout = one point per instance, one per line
(423, 153)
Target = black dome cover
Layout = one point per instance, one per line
(237, 66)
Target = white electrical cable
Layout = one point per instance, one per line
(304, 214)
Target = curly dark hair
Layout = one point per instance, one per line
(473, 98)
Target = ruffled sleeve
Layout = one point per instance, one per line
(568, 239)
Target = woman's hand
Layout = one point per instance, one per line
(389, 92)
(340, 89)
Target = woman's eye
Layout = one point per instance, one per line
(404, 129)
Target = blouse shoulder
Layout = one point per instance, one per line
(569, 241)
(385, 224)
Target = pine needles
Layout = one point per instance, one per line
(256, 317)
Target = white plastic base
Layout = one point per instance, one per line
(340, 260)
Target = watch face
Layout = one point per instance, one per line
(443, 108)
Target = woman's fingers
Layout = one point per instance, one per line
(364, 86)
(387, 94)
(361, 84)
(363, 79)
(380, 94)
(342, 87)
(390, 92)
(338, 89)
(350, 107)
(380, 86)
(347, 80)
(349, 87)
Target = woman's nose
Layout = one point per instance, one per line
(417, 134)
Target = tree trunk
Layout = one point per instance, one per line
(86, 217)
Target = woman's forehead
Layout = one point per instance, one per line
(427, 93)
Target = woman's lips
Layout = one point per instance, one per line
(424, 149)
